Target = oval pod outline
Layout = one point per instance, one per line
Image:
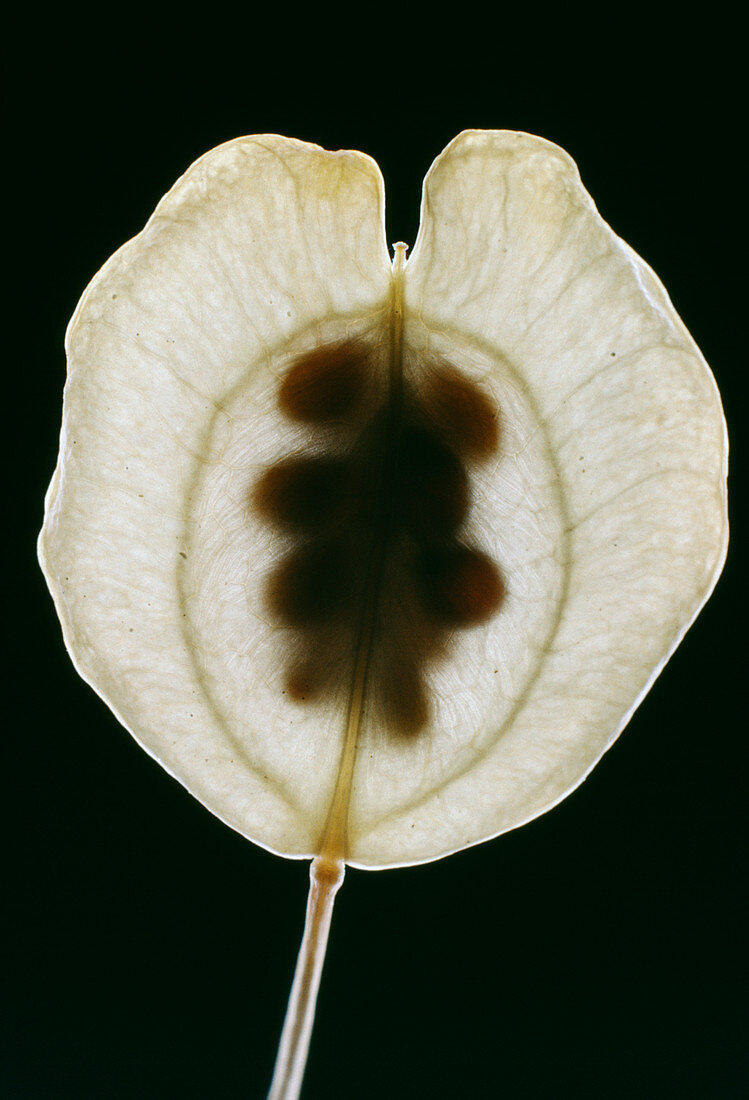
(515, 280)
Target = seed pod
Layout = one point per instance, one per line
(377, 558)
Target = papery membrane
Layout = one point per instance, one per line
(266, 245)
(513, 260)
(604, 506)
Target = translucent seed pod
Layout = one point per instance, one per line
(378, 556)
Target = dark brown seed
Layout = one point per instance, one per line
(460, 586)
(301, 493)
(302, 682)
(329, 383)
(312, 585)
(461, 412)
(404, 703)
(430, 485)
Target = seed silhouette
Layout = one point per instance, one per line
(462, 413)
(460, 585)
(376, 525)
(302, 493)
(329, 383)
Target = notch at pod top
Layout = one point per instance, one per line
(400, 543)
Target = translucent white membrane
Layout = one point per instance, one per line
(604, 506)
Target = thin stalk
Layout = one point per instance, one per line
(326, 876)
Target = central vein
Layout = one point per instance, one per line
(334, 841)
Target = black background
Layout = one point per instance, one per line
(599, 951)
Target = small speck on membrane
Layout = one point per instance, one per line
(373, 528)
